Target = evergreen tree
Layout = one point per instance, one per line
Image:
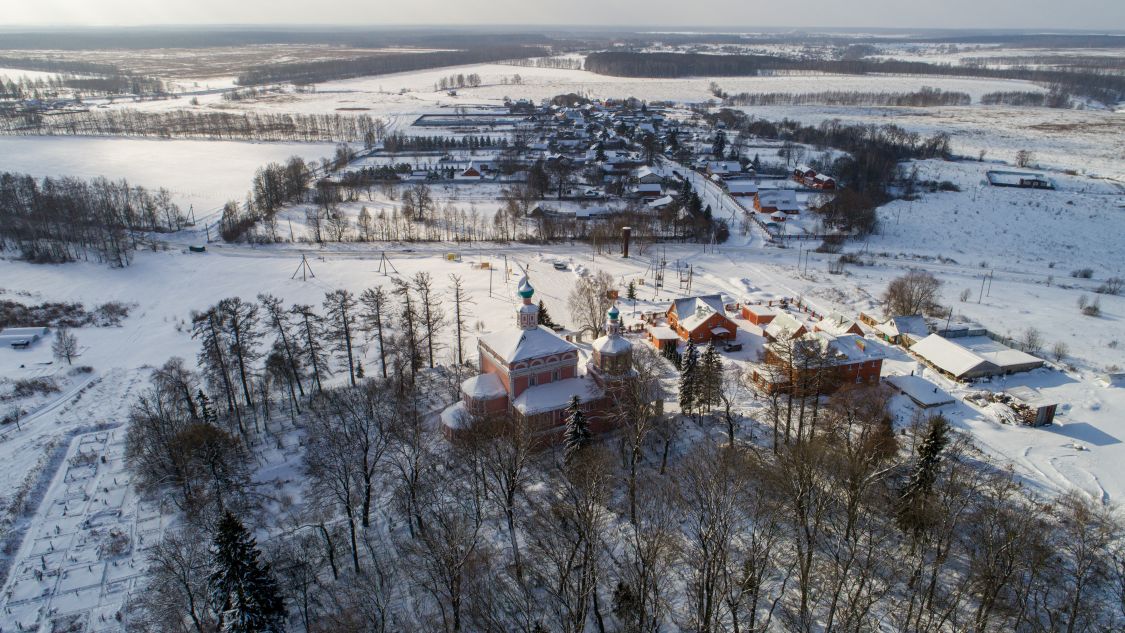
(912, 511)
(544, 317)
(689, 379)
(756, 163)
(206, 411)
(243, 590)
(720, 144)
(710, 373)
(631, 291)
(577, 434)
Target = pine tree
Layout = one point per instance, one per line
(243, 590)
(631, 291)
(577, 434)
(544, 317)
(756, 163)
(911, 513)
(689, 379)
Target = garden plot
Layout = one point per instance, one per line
(85, 549)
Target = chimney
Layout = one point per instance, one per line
(626, 233)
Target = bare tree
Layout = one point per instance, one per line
(176, 596)
(431, 316)
(589, 301)
(340, 310)
(913, 293)
(461, 304)
(374, 301)
(65, 345)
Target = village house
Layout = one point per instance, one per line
(822, 362)
(838, 325)
(903, 330)
(784, 326)
(777, 201)
(701, 319)
(741, 188)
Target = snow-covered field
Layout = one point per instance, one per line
(1087, 141)
(201, 173)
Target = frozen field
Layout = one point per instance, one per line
(201, 173)
(1087, 141)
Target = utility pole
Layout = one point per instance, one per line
(988, 292)
(982, 280)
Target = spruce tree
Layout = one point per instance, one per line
(756, 163)
(206, 411)
(577, 434)
(710, 373)
(689, 379)
(545, 317)
(243, 591)
(911, 513)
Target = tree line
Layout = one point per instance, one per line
(326, 70)
(719, 516)
(65, 219)
(1051, 99)
(52, 65)
(1107, 87)
(51, 87)
(399, 142)
(210, 125)
(924, 97)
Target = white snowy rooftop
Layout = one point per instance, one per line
(556, 395)
(513, 345)
(484, 387)
(612, 345)
(693, 311)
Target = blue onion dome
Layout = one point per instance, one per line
(613, 313)
(524, 288)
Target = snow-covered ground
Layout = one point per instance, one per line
(202, 173)
(1087, 141)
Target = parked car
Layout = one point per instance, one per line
(560, 265)
(732, 347)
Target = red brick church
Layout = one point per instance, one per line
(531, 373)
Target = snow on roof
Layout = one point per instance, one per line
(693, 311)
(761, 310)
(948, 356)
(742, 186)
(23, 331)
(914, 324)
(920, 390)
(836, 323)
(719, 330)
(661, 202)
(456, 416)
(997, 353)
(781, 199)
(783, 325)
(647, 187)
(662, 332)
(513, 345)
(556, 395)
(853, 348)
(615, 344)
(484, 387)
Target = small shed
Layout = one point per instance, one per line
(1031, 406)
(922, 392)
(21, 337)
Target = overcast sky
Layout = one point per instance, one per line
(1034, 14)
